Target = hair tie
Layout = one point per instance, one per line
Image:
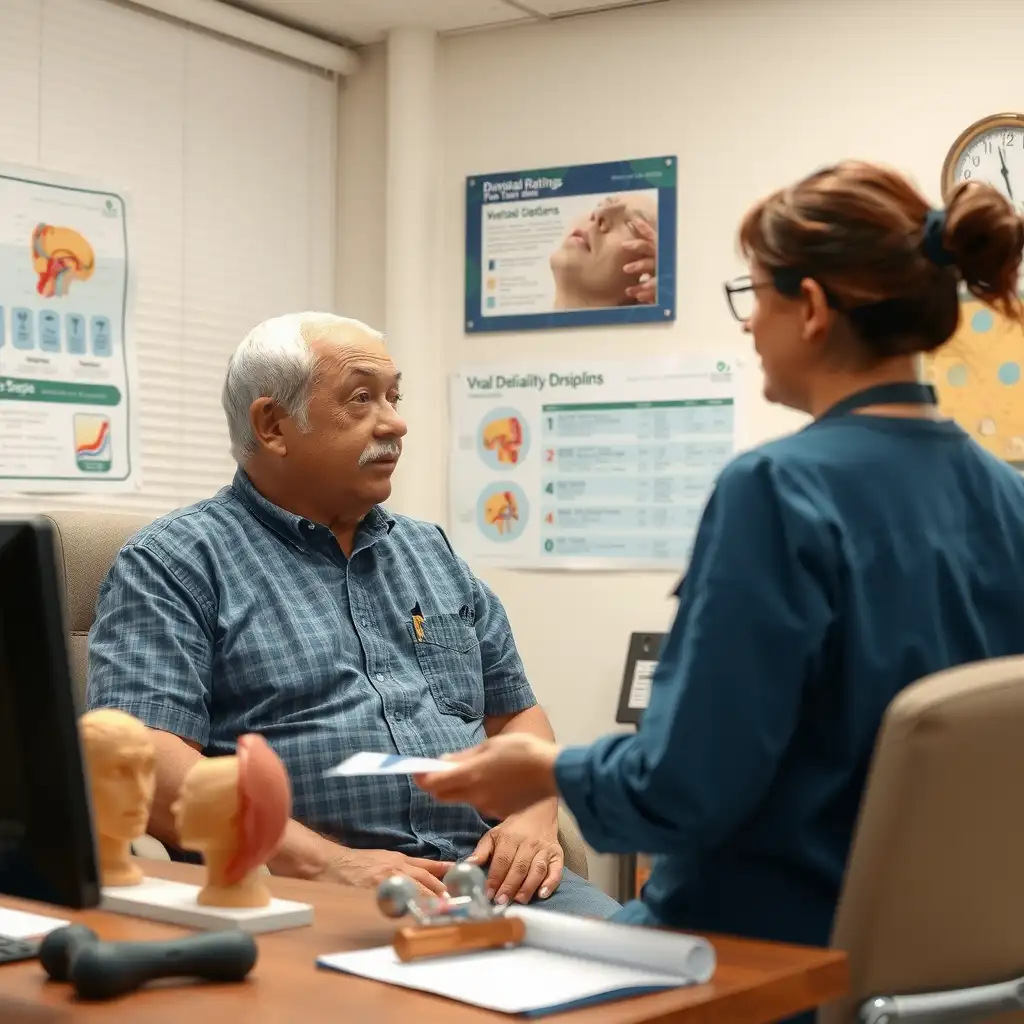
(933, 244)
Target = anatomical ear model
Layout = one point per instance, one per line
(234, 810)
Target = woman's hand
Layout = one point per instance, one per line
(504, 775)
(644, 252)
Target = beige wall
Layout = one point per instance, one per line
(749, 95)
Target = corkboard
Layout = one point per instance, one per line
(979, 376)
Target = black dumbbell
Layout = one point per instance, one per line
(58, 949)
(103, 970)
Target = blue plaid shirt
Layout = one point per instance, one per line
(234, 616)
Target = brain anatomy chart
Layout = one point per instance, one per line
(67, 420)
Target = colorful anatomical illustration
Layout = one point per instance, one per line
(501, 511)
(92, 443)
(59, 256)
(504, 437)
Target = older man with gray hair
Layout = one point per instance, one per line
(293, 604)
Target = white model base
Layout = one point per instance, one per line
(175, 903)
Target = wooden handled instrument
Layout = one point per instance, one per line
(463, 937)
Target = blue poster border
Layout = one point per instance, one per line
(578, 179)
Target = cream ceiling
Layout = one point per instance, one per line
(367, 21)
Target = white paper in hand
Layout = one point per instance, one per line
(387, 764)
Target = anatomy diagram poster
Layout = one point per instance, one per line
(67, 420)
(588, 465)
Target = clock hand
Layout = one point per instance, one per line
(1005, 172)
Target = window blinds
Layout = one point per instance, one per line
(228, 159)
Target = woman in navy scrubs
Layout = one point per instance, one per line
(831, 569)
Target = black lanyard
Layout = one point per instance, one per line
(901, 393)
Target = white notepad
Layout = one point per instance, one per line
(17, 924)
(570, 962)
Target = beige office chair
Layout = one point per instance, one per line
(932, 908)
(87, 543)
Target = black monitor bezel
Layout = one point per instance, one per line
(57, 863)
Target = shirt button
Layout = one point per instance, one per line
(397, 716)
(380, 677)
(364, 622)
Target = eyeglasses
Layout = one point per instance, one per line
(739, 293)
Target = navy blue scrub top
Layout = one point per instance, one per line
(831, 569)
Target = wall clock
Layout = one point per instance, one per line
(990, 150)
(979, 373)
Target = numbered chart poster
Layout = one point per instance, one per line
(572, 246)
(588, 466)
(66, 416)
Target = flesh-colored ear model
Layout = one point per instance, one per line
(265, 805)
(234, 810)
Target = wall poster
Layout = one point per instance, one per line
(67, 422)
(571, 246)
(588, 465)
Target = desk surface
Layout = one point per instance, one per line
(755, 982)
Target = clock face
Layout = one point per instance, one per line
(993, 154)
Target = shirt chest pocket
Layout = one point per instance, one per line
(448, 652)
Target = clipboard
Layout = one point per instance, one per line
(641, 661)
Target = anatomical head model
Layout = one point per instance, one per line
(120, 757)
(233, 810)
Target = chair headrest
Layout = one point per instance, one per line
(87, 544)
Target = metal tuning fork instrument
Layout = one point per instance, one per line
(463, 921)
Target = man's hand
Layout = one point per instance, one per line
(524, 855)
(366, 869)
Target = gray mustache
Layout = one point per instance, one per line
(387, 450)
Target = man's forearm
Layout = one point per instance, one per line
(303, 853)
(533, 720)
(174, 758)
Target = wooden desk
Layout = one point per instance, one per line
(755, 982)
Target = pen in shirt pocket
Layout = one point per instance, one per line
(417, 622)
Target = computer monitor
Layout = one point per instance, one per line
(47, 848)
